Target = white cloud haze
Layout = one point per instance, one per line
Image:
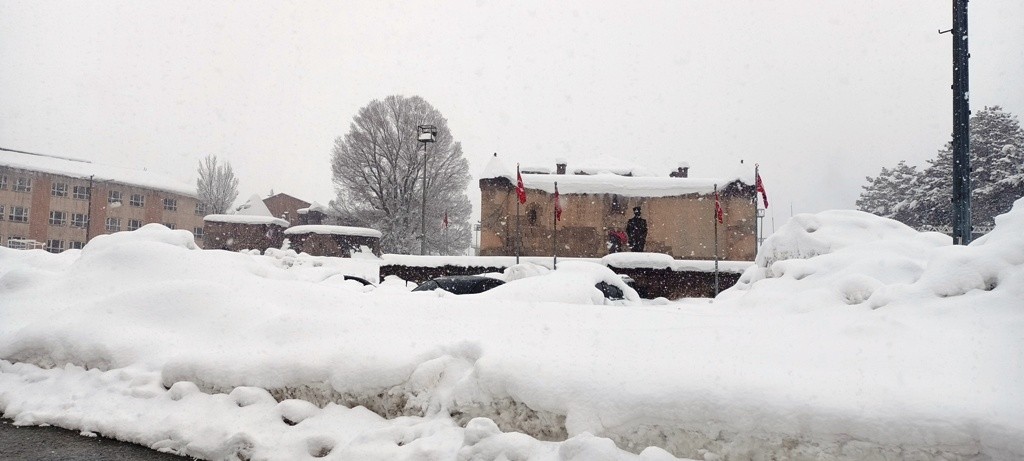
(819, 93)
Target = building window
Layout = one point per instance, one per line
(113, 224)
(18, 214)
(170, 225)
(138, 200)
(23, 185)
(114, 196)
(198, 232)
(21, 243)
(54, 246)
(3, 182)
(59, 189)
(80, 192)
(134, 224)
(79, 220)
(618, 205)
(73, 245)
(170, 204)
(200, 209)
(1, 212)
(58, 218)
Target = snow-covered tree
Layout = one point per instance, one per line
(378, 175)
(997, 165)
(217, 186)
(923, 198)
(892, 194)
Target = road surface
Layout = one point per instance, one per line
(34, 443)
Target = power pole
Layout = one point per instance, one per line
(961, 128)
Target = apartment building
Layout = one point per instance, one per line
(60, 203)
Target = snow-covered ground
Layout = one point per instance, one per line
(853, 337)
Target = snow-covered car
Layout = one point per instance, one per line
(575, 282)
(460, 284)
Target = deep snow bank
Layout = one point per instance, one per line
(852, 338)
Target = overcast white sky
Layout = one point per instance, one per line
(820, 93)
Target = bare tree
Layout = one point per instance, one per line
(378, 175)
(217, 186)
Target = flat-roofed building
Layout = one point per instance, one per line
(62, 202)
(598, 202)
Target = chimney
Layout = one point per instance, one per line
(682, 171)
(560, 166)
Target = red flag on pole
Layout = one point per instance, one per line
(718, 209)
(520, 189)
(558, 205)
(445, 219)
(760, 188)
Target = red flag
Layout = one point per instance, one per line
(445, 219)
(718, 209)
(760, 188)
(520, 189)
(558, 205)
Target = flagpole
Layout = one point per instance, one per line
(757, 217)
(519, 233)
(554, 239)
(716, 239)
(520, 198)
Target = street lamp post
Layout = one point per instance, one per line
(427, 134)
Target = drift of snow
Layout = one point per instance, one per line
(85, 169)
(851, 338)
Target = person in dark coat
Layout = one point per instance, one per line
(636, 230)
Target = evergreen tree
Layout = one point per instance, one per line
(923, 198)
(892, 194)
(996, 164)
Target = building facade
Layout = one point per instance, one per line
(286, 207)
(679, 212)
(63, 203)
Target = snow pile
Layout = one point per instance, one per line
(860, 259)
(574, 282)
(333, 230)
(852, 338)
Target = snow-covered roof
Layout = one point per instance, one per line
(334, 230)
(496, 168)
(629, 186)
(314, 207)
(605, 164)
(77, 168)
(604, 175)
(253, 207)
(245, 219)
